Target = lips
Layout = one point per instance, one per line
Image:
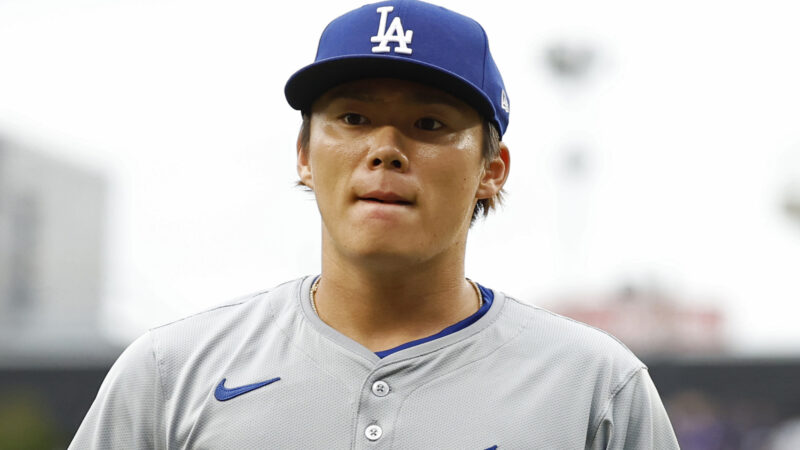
(386, 197)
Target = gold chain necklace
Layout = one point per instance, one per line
(315, 286)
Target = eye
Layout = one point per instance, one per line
(354, 119)
(429, 124)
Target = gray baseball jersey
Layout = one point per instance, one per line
(266, 372)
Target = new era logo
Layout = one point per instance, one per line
(395, 34)
(504, 102)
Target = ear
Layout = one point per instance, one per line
(304, 165)
(495, 173)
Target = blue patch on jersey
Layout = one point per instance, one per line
(488, 298)
(222, 393)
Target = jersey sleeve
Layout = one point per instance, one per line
(128, 410)
(635, 419)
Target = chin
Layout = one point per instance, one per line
(387, 244)
(386, 254)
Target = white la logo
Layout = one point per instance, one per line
(395, 34)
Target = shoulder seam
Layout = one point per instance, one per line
(159, 376)
(611, 398)
(234, 302)
(155, 342)
(577, 322)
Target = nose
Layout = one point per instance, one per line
(386, 151)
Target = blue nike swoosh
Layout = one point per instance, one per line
(222, 393)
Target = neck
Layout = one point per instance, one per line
(382, 306)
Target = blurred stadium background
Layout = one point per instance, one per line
(147, 171)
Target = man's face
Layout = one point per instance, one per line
(396, 168)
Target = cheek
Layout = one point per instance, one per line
(331, 161)
(457, 170)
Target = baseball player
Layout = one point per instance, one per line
(390, 346)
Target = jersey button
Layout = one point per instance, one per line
(373, 432)
(380, 388)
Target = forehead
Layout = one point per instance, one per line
(393, 91)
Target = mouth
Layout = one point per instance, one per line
(387, 198)
(387, 202)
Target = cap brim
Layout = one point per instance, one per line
(310, 82)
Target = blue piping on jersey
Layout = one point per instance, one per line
(488, 298)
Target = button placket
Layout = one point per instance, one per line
(377, 411)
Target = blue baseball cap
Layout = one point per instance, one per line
(409, 40)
